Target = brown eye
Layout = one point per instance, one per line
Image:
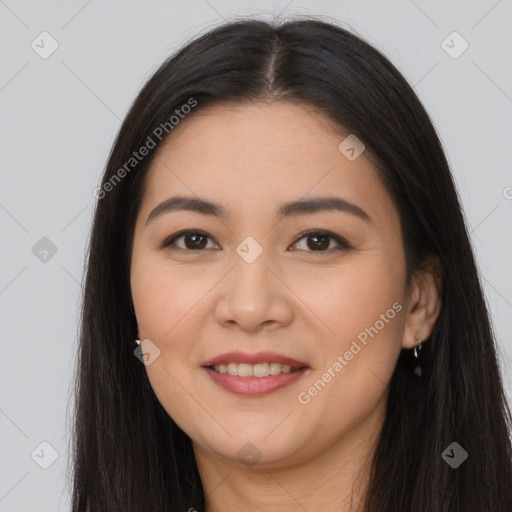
(319, 241)
(192, 241)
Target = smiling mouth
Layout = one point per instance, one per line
(254, 370)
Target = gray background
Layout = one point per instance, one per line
(59, 117)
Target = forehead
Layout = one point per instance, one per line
(264, 130)
(260, 153)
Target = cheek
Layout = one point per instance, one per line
(359, 352)
(165, 298)
(353, 297)
(171, 304)
(168, 306)
(363, 311)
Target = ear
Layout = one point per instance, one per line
(423, 302)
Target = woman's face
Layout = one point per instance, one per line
(258, 277)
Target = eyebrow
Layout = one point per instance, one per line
(290, 209)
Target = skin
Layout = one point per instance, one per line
(304, 303)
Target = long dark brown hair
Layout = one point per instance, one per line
(128, 454)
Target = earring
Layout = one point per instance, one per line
(417, 369)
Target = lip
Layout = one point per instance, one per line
(254, 386)
(260, 357)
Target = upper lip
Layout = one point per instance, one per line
(260, 357)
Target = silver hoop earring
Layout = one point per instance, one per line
(416, 354)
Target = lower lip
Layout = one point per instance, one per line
(254, 386)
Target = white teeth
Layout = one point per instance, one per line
(275, 368)
(244, 370)
(254, 370)
(261, 370)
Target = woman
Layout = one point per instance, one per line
(282, 309)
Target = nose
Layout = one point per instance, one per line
(254, 295)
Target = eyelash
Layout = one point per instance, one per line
(342, 243)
